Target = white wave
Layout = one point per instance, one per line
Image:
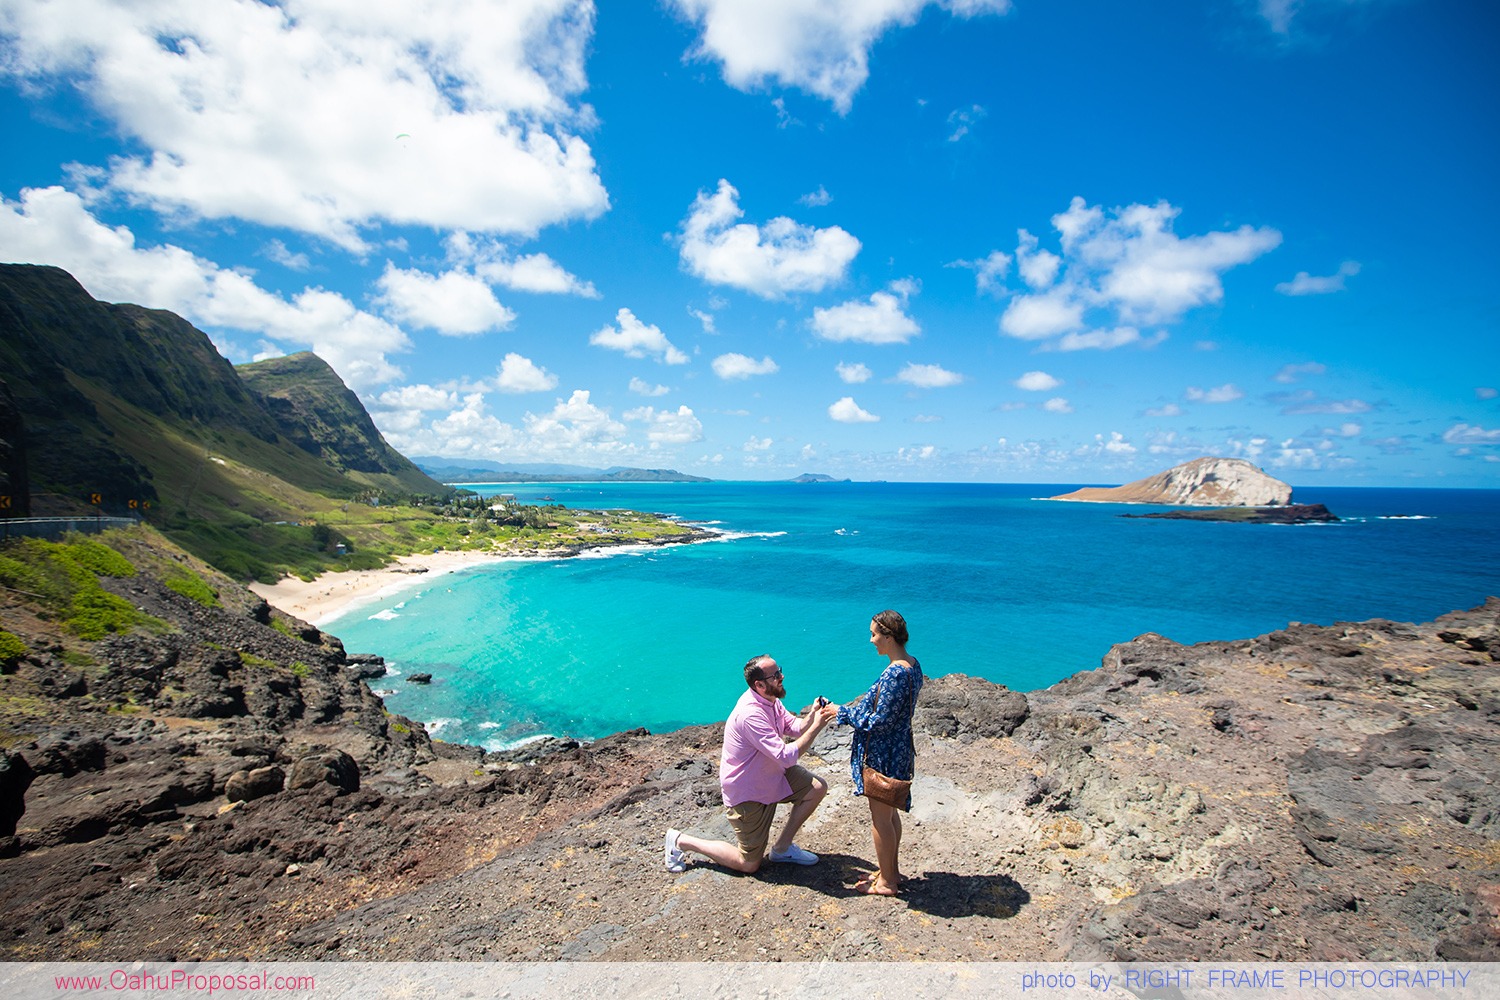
(435, 726)
(730, 536)
(387, 615)
(489, 725)
(1405, 517)
(615, 550)
(502, 745)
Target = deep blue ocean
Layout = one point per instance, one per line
(993, 582)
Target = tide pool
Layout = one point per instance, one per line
(993, 582)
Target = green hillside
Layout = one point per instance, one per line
(120, 409)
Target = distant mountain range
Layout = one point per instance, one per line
(470, 470)
(473, 470)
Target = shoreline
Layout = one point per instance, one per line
(338, 592)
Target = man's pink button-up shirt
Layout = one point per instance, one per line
(756, 754)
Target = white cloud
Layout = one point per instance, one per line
(518, 374)
(643, 388)
(847, 411)
(1306, 401)
(1105, 340)
(1038, 317)
(1037, 382)
(989, 271)
(1169, 410)
(1057, 405)
(1291, 373)
(961, 121)
(928, 376)
(668, 426)
(418, 397)
(1038, 267)
(454, 303)
(1278, 13)
(773, 260)
(637, 340)
(1116, 445)
(853, 374)
(468, 430)
(1127, 267)
(1226, 393)
(393, 104)
(1486, 392)
(758, 444)
(535, 272)
(1306, 284)
(52, 226)
(740, 366)
(574, 426)
(822, 48)
(1467, 434)
(816, 199)
(705, 319)
(278, 252)
(880, 320)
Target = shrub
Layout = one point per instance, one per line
(18, 575)
(65, 577)
(191, 585)
(11, 648)
(98, 558)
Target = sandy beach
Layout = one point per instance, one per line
(334, 594)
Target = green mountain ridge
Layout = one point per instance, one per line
(137, 408)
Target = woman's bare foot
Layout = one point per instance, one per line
(871, 885)
(900, 879)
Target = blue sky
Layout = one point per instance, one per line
(990, 240)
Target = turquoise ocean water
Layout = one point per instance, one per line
(993, 582)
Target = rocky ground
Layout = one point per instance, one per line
(1323, 793)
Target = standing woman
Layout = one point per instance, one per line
(883, 742)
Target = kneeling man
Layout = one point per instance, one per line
(757, 770)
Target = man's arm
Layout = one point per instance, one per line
(813, 726)
(770, 742)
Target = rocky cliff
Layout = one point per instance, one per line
(1203, 482)
(136, 404)
(227, 786)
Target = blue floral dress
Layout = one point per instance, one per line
(882, 726)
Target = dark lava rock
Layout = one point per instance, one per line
(244, 786)
(15, 777)
(365, 666)
(957, 705)
(335, 768)
(420, 679)
(1303, 513)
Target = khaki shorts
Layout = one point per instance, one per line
(751, 821)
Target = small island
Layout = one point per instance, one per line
(1303, 513)
(1203, 482)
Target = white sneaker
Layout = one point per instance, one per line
(795, 855)
(673, 858)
